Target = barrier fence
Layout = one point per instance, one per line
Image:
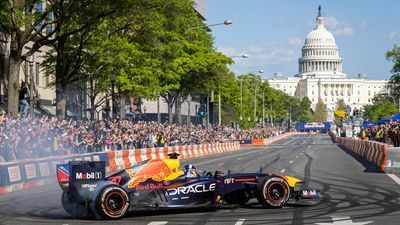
(384, 156)
(266, 141)
(26, 174)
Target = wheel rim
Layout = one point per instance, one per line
(276, 192)
(115, 202)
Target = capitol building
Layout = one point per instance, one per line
(320, 74)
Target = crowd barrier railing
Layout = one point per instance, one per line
(380, 154)
(266, 141)
(26, 174)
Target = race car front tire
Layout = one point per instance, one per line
(112, 202)
(75, 207)
(274, 192)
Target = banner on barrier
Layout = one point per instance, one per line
(30, 171)
(44, 169)
(14, 174)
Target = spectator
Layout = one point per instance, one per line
(22, 99)
(35, 137)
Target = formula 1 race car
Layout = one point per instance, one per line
(159, 184)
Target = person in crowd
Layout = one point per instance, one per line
(43, 136)
(23, 91)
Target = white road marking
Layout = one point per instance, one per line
(240, 222)
(221, 164)
(239, 158)
(157, 223)
(283, 170)
(291, 161)
(394, 177)
(297, 156)
(344, 220)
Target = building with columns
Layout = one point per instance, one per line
(320, 74)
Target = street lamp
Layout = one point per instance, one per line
(226, 22)
(30, 60)
(189, 99)
(245, 56)
(113, 77)
(263, 104)
(241, 91)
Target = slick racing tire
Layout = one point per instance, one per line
(274, 192)
(74, 207)
(112, 202)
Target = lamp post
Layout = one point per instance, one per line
(255, 97)
(241, 90)
(226, 22)
(189, 100)
(30, 60)
(245, 56)
(113, 77)
(263, 105)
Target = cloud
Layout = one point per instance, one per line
(265, 55)
(392, 36)
(363, 24)
(338, 28)
(295, 41)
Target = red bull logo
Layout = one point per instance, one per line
(156, 169)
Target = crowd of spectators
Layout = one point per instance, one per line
(36, 137)
(388, 133)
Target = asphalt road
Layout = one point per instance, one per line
(353, 191)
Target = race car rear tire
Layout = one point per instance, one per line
(112, 202)
(74, 207)
(274, 192)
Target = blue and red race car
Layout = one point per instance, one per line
(159, 184)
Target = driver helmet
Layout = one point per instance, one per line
(190, 170)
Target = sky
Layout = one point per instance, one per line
(272, 33)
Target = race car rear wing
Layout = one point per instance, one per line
(80, 172)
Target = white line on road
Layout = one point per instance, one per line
(297, 156)
(282, 170)
(221, 164)
(291, 161)
(240, 222)
(158, 223)
(394, 177)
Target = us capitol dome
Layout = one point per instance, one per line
(320, 74)
(320, 54)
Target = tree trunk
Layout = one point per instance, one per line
(122, 107)
(61, 101)
(13, 83)
(170, 114)
(61, 71)
(92, 102)
(178, 110)
(170, 102)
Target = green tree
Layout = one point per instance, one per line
(394, 82)
(382, 107)
(30, 22)
(303, 113)
(320, 114)
(188, 59)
